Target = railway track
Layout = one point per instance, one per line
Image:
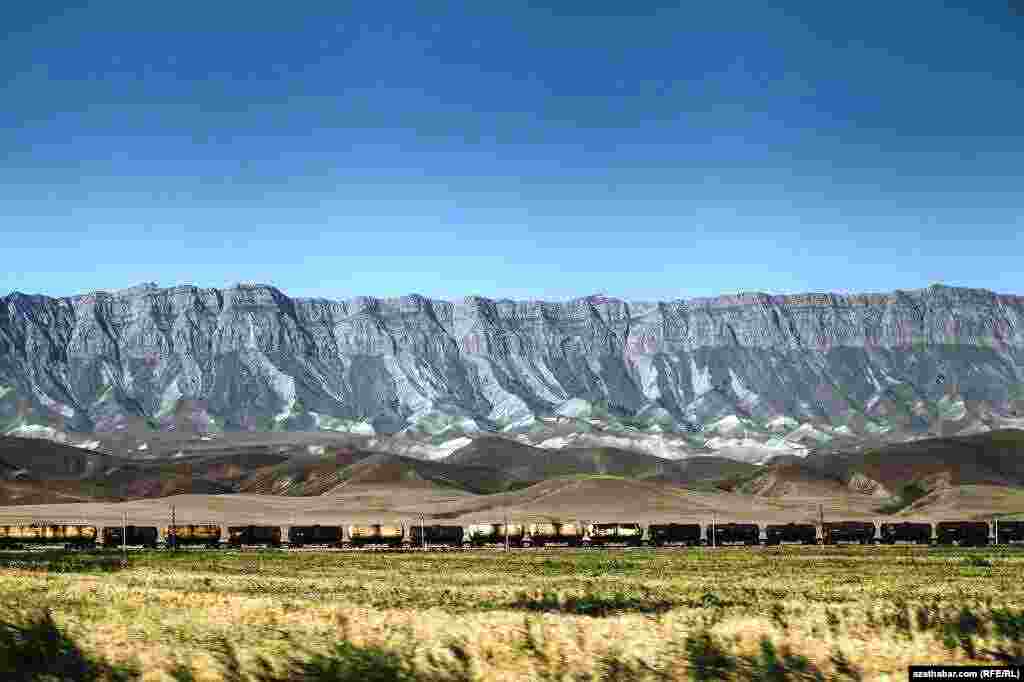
(43, 549)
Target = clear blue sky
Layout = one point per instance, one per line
(643, 149)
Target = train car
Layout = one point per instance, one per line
(736, 534)
(803, 533)
(317, 535)
(72, 536)
(1010, 532)
(907, 531)
(553, 534)
(436, 535)
(483, 534)
(254, 535)
(661, 534)
(392, 535)
(962, 533)
(145, 536)
(192, 534)
(859, 532)
(602, 534)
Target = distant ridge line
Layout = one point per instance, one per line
(414, 299)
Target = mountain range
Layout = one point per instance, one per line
(748, 376)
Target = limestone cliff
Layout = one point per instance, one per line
(251, 358)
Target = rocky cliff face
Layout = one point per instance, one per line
(251, 358)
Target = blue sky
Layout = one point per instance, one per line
(664, 150)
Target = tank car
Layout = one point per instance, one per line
(145, 536)
(619, 533)
(554, 533)
(484, 534)
(661, 534)
(858, 532)
(436, 535)
(254, 535)
(192, 534)
(300, 536)
(736, 534)
(906, 531)
(803, 533)
(72, 536)
(1011, 532)
(390, 535)
(962, 533)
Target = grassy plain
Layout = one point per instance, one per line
(799, 613)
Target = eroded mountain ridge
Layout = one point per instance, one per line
(938, 360)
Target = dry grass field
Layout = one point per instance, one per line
(790, 613)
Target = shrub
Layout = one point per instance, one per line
(39, 650)
(708, 659)
(459, 669)
(1009, 628)
(778, 613)
(832, 620)
(615, 668)
(590, 604)
(350, 663)
(770, 667)
(548, 667)
(844, 670)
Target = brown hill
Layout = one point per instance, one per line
(709, 472)
(307, 475)
(39, 459)
(994, 458)
(799, 480)
(527, 463)
(941, 478)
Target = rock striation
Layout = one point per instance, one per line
(252, 358)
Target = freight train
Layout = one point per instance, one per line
(519, 535)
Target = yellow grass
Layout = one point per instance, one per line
(816, 599)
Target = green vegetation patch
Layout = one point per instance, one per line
(911, 493)
(591, 604)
